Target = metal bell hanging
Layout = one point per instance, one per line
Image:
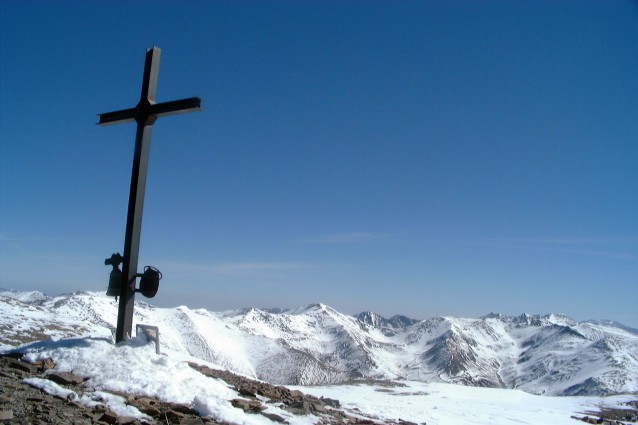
(115, 278)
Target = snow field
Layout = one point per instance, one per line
(448, 404)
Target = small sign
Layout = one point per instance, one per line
(151, 333)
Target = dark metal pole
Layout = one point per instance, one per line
(136, 196)
(133, 232)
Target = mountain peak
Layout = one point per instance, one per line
(371, 318)
(28, 297)
(313, 307)
(388, 326)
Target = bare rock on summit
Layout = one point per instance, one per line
(6, 415)
(254, 406)
(20, 365)
(109, 417)
(146, 405)
(64, 378)
(299, 408)
(275, 418)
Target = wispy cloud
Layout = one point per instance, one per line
(610, 254)
(7, 238)
(235, 268)
(625, 248)
(345, 238)
(578, 241)
(231, 268)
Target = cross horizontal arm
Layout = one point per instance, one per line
(164, 109)
(175, 107)
(117, 117)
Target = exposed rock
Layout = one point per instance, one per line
(192, 421)
(247, 393)
(330, 402)
(109, 417)
(253, 406)
(148, 406)
(182, 408)
(299, 407)
(275, 418)
(296, 394)
(21, 366)
(64, 378)
(609, 416)
(172, 416)
(6, 415)
(318, 407)
(44, 365)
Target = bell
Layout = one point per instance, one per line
(115, 282)
(149, 282)
(115, 278)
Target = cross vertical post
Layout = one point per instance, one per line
(145, 113)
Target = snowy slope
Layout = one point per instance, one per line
(133, 367)
(445, 404)
(550, 355)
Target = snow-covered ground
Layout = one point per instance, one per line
(133, 367)
(449, 404)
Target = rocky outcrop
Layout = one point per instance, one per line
(292, 401)
(608, 416)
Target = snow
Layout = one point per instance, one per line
(446, 404)
(25, 297)
(114, 402)
(314, 344)
(134, 367)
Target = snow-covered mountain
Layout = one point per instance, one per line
(614, 324)
(316, 344)
(389, 327)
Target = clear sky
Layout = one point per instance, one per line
(424, 158)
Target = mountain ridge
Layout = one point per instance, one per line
(316, 344)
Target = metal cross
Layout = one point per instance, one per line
(145, 113)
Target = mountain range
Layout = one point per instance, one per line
(315, 344)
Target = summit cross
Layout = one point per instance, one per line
(145, 113)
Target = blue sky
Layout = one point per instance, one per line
(424, 158)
